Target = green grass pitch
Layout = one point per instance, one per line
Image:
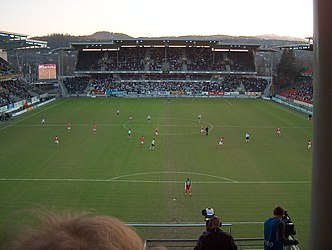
(108, 173)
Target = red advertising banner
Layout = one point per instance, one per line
(216, 93)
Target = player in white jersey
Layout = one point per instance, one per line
(56, 140)
(129, 133)
(247, 137)
(153, 144)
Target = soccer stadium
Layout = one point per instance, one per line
(137, 118)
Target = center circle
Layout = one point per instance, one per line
(167, 126)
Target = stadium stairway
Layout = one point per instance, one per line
(63, 88)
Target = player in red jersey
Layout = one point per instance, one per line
(130, 116)
(187, 187)
(68, 126)
(141, 141)
(56, 140)
(278, 131)
(221, 142)
(94, 128)
(157, 132)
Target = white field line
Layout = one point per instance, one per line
(150, 125)
(103, 101)
(15, 122)
(197, 223)
(231, 104)
(144, 181)
(173, 172)
(289, 111)
(65, 124)
(256, 126)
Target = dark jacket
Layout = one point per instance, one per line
(215, 239)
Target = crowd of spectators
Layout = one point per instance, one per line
(302, 92)
(13, 90)
(4, 97)
(253, 84)
(226, 84)
(202, 59)
(165, 59)
(76, 85)
(100, 84)
(6, 68)
(240, 61)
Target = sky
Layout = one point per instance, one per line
(155, 18)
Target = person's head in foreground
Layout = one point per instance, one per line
(76, 232)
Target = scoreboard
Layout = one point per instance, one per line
(47, 71)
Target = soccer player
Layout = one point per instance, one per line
(199, 117)
(129, 133)
(94, 128)
(221, 142)
(68, 126)
(130, 116)
(247, 137)
(187, 187)
(278, 131)
(202, 130)
(43, 122)
(118, 112)
(153, 144)
(309, 144)
(149, 118)
(141, 141)
(157, 132)
(56, 140)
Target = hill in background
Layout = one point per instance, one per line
(63, 40)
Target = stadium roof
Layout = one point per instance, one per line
(11, 41)
(308, 46)
(115, 44)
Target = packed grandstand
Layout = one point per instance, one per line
(164, 68)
